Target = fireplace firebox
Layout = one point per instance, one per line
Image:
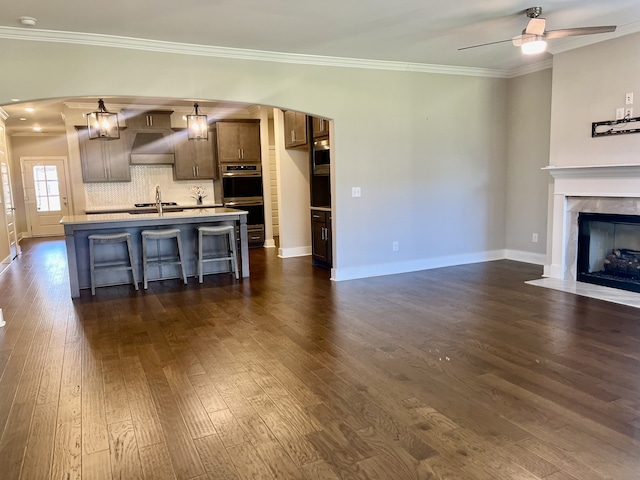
(609, 250)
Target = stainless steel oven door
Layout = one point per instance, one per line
(241, 182)
(254, 208)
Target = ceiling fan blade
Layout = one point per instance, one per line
(574, 32)
(536, 26)
(518, 40)
(484, 44)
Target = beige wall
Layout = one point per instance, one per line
(429, 151)
(32, 146)
(589, 83)
(5, 247)
(528, 121)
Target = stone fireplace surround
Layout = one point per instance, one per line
(595, 189)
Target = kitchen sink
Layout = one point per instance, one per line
(153, 204)
(153, 210)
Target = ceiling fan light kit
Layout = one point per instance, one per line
(533, 45)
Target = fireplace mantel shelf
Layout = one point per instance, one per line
(594, 171)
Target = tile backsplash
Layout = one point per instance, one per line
(142, 189)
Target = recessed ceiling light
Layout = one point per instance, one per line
(30, 109)
(27, 21)
(15, 99)
(22, 119)
(37, 128)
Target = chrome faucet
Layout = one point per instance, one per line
(158, 200)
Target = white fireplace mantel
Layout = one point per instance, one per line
(609, 188)
(597, 180)
(593, 170)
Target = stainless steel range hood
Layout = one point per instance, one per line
(150, 148)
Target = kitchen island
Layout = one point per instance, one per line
(77, 229)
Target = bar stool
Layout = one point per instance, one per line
(229, 233)
(158, 235)
(110, 266)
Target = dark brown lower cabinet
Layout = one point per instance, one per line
(321, 238)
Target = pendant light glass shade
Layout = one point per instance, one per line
(103, 124)
(197, 125)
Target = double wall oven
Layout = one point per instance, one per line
(242, 189)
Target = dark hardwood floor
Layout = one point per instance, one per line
(461, 373)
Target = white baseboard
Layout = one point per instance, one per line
(294, 252)
(526, 257)
(269, 244)
(340, 274)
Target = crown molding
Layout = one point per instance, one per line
(535, 67)
(37, 134)
(54, 36)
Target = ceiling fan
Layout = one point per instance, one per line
(534, 37)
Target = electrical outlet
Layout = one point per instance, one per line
(628, 98)
(628, 112)
(619, 113)
(534, 238)
(395, 246)
(356, 192)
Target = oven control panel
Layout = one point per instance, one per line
(241, 168)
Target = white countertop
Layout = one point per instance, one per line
(195, 214)
(120, 209)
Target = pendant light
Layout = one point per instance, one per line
(103, 124)
(197, 125)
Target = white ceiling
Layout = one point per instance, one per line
(424, 32)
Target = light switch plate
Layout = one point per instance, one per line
(356, 192)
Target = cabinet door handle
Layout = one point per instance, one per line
(242, 150)
(197, 170)
(293, 135)
(149, 120)
(239, 157)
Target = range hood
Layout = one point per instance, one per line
(152, 148)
